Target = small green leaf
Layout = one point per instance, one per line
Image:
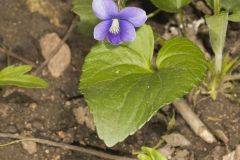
(88, 20)
(217, 25)
(171, 122)
(143, 156)
(150, 154)
(234, 17)
(170, 5)
(15, 76)
(123, 91)
(228, 5)
(229, 64)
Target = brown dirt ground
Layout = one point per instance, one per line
(43, 113)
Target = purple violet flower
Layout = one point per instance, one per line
(117, 26)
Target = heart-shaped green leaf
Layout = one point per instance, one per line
(170, 5)
(123, 91)
(88, 20)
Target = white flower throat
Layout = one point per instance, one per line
(115, 27)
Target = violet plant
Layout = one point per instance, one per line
(221, 67)
(122, 84)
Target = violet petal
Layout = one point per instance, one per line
(101, 30)
(134, 15)
(127, 31)
(114, 39)
(104, 9)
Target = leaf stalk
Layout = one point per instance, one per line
(218, 63)
(182, 21)
(154, 13)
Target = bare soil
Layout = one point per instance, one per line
(48, 113)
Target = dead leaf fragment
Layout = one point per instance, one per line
(217, 153)
(237, 153)
(83, 116)
(181, 155)
(229, 156)
(176, 140)
(234, 155)
(167, 151)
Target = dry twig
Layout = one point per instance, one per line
(66, 147)
(233, 77)
(193, 121)
(14, 55)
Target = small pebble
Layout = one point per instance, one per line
(47, 151)
(33, 106)
(62, 59)
(38, 125)
(67, 103)
(30, 147)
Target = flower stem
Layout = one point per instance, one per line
(150, 15)
(160, 40)
(121, 4)
(213, 88)
(182, 22)
(216, 5)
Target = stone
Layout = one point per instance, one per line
(30, 146)
(59, 63)
(33, 106)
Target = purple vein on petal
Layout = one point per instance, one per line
(114, 38)
(134, 15)
(128, 32)
(102, 29)
(104, 9)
